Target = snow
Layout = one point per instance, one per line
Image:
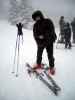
(23, 87)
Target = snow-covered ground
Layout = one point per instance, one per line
(23, 87)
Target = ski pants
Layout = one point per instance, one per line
(67, 43)
(49, 49)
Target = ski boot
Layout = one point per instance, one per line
(51, 71)
(38, 66)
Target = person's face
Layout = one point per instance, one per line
(37, 18)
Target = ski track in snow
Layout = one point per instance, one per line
(23, 87)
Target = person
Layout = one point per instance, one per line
(61, 24)
(20, 32)
(67, 31)
(73, 29)
(44, 35)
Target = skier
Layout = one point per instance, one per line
(67, 31)
(45, 36)
(61, 24)
(73, 29)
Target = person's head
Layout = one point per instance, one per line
(62, 17)
(68, 24)
(37, 15)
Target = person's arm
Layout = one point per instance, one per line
(36, 35)
(51, 35)
(54, 36)
(35, 32)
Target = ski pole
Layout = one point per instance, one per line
(22, 39)
(57, 40)
(13, 70)
(18, 57)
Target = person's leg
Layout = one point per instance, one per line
(50, 55)
(62, 38)
(69, 44)
(66, 43)
(51, 59)
(39, 54)
(39, 58)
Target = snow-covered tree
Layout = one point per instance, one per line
(20, 12)
(13, 12)
(25, 12)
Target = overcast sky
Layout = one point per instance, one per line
(50, 7)
(56, 7)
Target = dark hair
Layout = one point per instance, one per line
(37, 13)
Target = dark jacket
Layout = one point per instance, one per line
(61, 23)
(73, 25)
(45, 28)
(67, 31)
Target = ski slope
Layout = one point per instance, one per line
(23, 87)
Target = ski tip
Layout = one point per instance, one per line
(57, 92)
